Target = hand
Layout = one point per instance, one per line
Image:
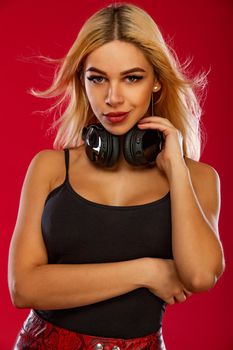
(172, 151)
(164, 281)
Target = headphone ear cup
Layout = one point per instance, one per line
(129, 153)
(112, 149)
(142, 146)
(133, 147)
(101, 147)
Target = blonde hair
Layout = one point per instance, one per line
(178, 100)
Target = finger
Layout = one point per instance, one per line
(170, 301)
(180, 298)
(187, 292)
(158, 120)
(165, 129)
(153, 117)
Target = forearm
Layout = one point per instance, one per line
(67, 286)
(196, 249)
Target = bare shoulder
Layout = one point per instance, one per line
(45, 157)
(202, 174)
(206, 183)
(48, 164)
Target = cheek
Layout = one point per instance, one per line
(143, 89)
(142, 101)
(93, 98)
(143, 96)
(95, 106)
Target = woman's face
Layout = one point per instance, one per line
(119, 78)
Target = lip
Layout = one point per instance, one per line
(116, 114)
(116, 117)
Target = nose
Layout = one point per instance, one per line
(114, 95)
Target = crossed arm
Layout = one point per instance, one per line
(198, 257)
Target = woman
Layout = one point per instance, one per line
(122, 218)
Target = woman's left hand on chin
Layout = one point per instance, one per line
(172, 151)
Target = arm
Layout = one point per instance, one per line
(195, 201)
(195, 206)
(35, 283)
(66, 286)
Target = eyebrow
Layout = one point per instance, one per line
(135, 69)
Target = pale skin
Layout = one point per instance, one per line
(194, 190)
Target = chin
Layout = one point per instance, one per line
(119, 128)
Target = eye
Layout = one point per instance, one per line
(96, 79)
(134, 78)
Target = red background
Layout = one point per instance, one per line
(201, 29)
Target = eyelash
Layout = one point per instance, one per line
(93, 78)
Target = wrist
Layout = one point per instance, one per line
(178, 170)
(143, 271)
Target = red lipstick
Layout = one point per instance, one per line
(116, 117)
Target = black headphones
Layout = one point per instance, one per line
(140, 147)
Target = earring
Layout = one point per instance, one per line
(155, 87)
(152, 104)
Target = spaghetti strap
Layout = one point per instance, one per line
(67, 157)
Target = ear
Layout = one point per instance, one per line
(157, 85)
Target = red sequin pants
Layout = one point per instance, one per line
(38, 334)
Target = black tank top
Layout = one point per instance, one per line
(77, 230)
